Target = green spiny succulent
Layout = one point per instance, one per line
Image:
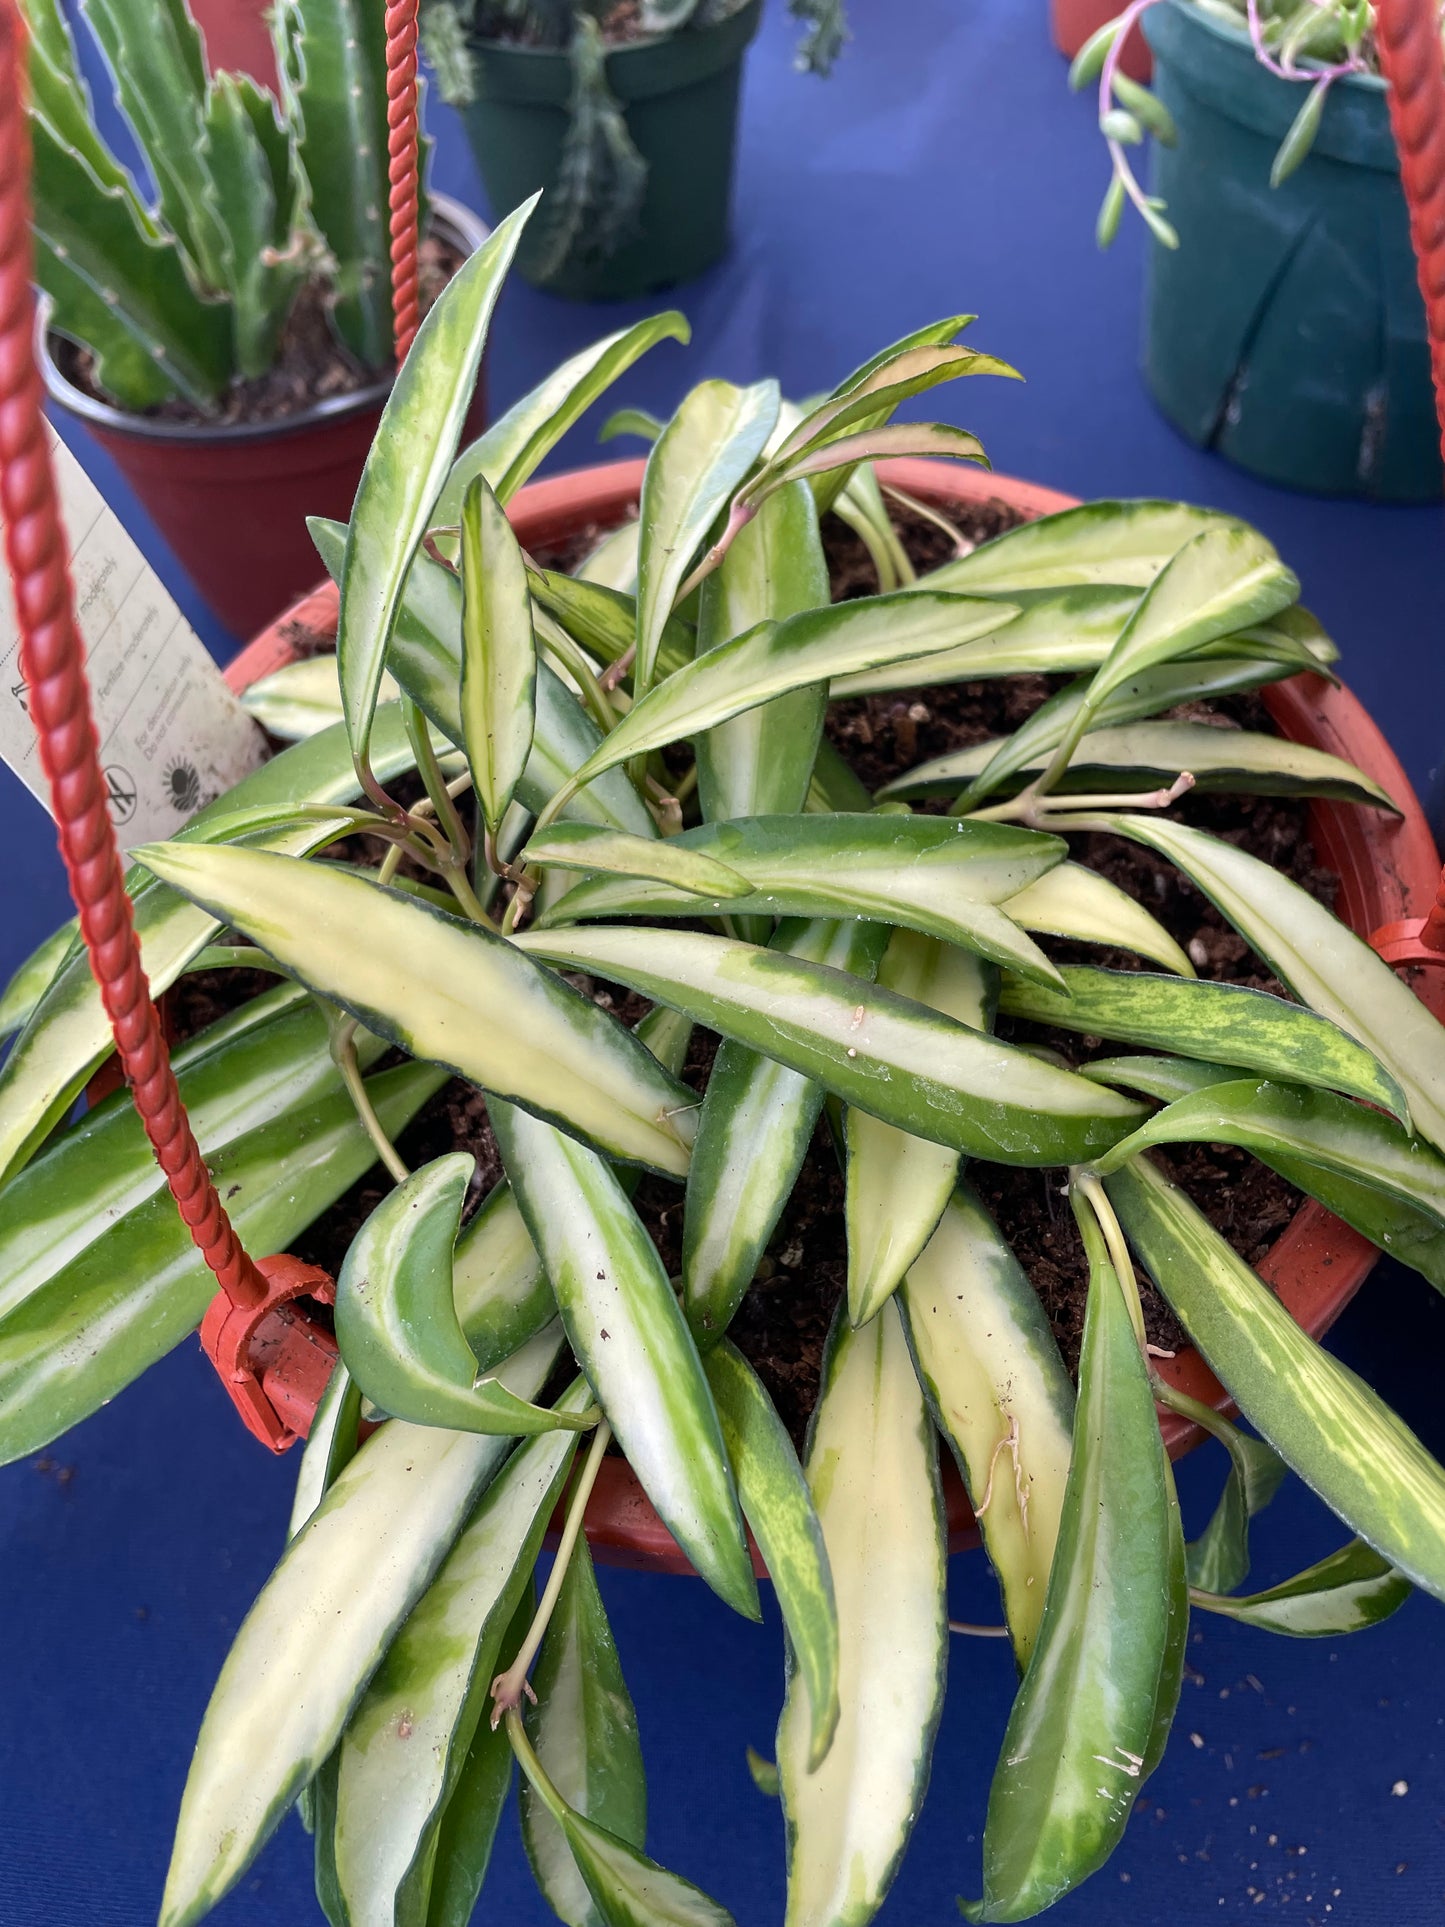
(254, 196)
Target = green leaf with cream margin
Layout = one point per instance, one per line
(406, 1742)
(1320, 960)
(1150, 755)
(629, 1889)
(699, 459)
(583, 1727)
(896, 1185)
(407, 465)
(779, 1507)
(1220, 1023)
(775, 657)
(1120, 543)
(897, 1060)
(1000, 1394)
(872, 1464)
(396, 1316)
(1350, 1590)
(320, 1628)
(499, 654)
(942, 876)
(1325, 1423)
(1075, 901)
(511, 448)
(628, 1334)
(418, 977)
(1082, 1733)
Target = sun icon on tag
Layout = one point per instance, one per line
(183, 786)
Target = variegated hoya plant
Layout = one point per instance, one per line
(849, 953)
(255, 196)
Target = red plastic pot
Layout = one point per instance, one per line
(1387, 867)
(1075, 21)
(237, 38)
(232, 502)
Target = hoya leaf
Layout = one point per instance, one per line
(670, 861)
(419, 977)
(584, 1728)
(873, 1469)
(407, 465)
(695, 465)
(779, 1508)
(754, 1128)
(499, 653)
(627, 1888)
(897, 1185)
(1080, 1735)
(1075, 901)
(630, 1338)
(912, 1067)
(1350, 1590)
(938, 875)
(396, 1317)
(1001, 1395)
(1322, 962)
(510, 450)
(1221, 1023)
(1324, 1422)
(408, 1738)
(310, 1644)
(774, 658)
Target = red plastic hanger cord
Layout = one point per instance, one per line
(1408, 35)
(403, 164)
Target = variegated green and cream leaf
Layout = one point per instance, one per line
(872, 1465)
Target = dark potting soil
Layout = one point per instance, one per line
(783, 1322)
(311, 363)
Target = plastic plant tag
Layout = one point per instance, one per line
(173, 737)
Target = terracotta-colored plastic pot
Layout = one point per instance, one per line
(1076, 21)
(232, 502)
(237, 38)
(1388, 869)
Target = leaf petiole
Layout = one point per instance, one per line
(508, 1687)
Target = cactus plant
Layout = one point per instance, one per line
(255, 196)
(853, 956)
(601, 184)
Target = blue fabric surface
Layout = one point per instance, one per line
(943, 167)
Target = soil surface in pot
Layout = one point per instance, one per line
(311, 363)
(783, 1322)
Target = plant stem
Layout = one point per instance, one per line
(1091, 1188)
(508, 1687)
(977, 1632)
(343, 1052)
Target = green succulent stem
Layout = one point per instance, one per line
(508, 1687)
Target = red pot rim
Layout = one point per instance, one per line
(453, 221)
(1388, 869)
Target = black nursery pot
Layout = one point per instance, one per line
(680, 97)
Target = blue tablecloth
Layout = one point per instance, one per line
(943, 167)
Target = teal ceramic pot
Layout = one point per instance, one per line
(680, 97)
(1287, 331)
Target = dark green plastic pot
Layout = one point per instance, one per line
(680, 96)
(1287, 331)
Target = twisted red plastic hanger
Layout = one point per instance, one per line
(1408, 34)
